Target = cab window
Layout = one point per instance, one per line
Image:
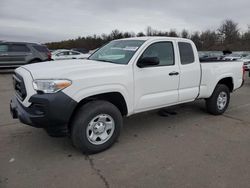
(162, 50)
(19, 48)
(186, 53)
(74, 53)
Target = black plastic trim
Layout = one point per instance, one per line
(19, 86)
(49, 111)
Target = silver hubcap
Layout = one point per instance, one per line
(100, 129)
(222, 100)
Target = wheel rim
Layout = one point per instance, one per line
(222, 100)
(100, 129)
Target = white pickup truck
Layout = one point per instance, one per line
(88, 98)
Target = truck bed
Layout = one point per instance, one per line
(213, 71)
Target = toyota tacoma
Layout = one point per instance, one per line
(87, 99)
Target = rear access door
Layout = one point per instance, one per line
(190, 71)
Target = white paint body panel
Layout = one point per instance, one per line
(190, 77)
(142, 88)
(212, 73)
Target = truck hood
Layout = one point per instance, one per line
(68, 68)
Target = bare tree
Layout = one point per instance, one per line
(173, 33)
(116, 34)
(227, 36)
(184, 33)
(140, 34)
(195, 37)
(149, 31)
(229, 32)
(209, 40)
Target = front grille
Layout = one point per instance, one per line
(19, 86)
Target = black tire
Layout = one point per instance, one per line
(211, 103)
(84, 116)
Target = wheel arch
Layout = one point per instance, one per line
(228, 81)
(115, 98)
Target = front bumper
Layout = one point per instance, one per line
(49, 111)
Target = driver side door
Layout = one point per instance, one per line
(157, 86)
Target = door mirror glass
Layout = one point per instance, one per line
(148, 62)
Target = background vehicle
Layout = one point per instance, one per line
(122, 78)
(14, 54)
(247, 66)
(93, 51)
(232, 57)
(246, 61)
(82, 50)
(210, 55)
(68, 54)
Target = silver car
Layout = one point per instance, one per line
(15, 54)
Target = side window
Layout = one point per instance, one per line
(163, 50)
(63, 54)
(74, 53)
(4, 47)
(42, 49)
(19, 48)
(186, 53)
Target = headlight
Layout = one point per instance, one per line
(50, 86)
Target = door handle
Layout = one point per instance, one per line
(173, 73)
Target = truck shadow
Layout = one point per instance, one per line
(170, 115)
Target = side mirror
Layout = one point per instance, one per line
(148, 62)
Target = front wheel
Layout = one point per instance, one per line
(219, 101)
(96, 126)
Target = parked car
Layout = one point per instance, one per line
(232, 57)
(247, 67)
(88, 98)
(210, 55)
(15, 54)
(68, 54)
(246, 61)
(82, 50)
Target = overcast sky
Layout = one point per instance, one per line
(51, 20)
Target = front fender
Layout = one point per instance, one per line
(83, 93)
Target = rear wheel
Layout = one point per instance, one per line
(96, 126)
(219, 101)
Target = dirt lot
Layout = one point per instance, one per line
(189, 149)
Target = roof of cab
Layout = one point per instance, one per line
(147, 38)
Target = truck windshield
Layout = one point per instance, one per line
(118, 52)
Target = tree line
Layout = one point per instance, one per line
(227, 37)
